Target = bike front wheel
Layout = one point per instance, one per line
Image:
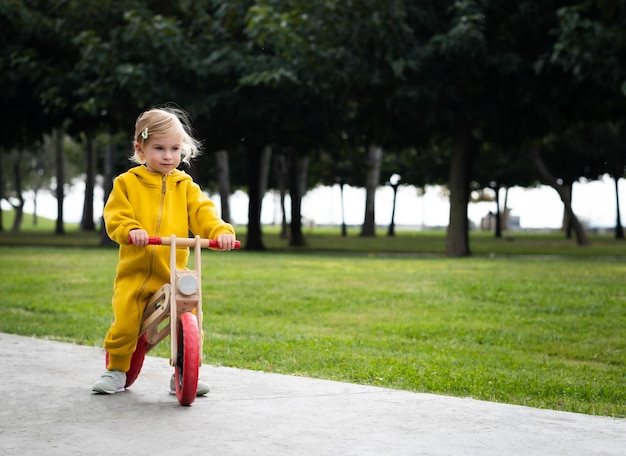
(187, 365)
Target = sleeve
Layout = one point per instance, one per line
(119, 215)
(203, 216)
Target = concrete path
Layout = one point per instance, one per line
(47, 408)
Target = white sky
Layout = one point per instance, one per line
(594, 203)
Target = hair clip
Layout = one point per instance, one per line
(144, 134)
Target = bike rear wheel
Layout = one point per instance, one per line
(188, 363)
(136, 362)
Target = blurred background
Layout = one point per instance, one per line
(410, 114)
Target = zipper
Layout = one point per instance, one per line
(153, 247)
(161, 205)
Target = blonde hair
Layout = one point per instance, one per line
(165, 121)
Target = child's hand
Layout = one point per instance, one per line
(139, 238)
(226, 241)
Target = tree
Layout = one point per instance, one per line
(499, 169)
(223, 183)
(337, 59)
(87, 222)
(326, 80)
(14, 194)
(133, 55)
(461, 163)
(342, 167)
(614, 144)
(589, 44)
(565, 196)
(27, 170)
(25, 31)
(374, 159)
(490, 75)
(297, 171)
(605, 143)
(59, 164)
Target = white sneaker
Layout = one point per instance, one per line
(203, 388)
(111, 382)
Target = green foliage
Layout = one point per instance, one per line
(591, 37)
(323, 78)
(540, 331)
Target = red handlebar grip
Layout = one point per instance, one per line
(152, 240)
(213, 244)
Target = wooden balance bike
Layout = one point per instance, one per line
(175, 310)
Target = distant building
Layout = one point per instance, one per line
(509, 222)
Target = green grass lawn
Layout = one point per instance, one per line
(535, 321)
(330, 240)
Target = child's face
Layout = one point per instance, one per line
(162, 153)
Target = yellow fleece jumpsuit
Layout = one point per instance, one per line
(162, 205)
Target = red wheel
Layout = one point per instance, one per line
(188, 363)
(136, 362)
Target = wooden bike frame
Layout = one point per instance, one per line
(175, 298)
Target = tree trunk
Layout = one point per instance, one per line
(19, 208)
(107, 185)
(619, 230)
(254, 240)
(374, 160)
(457, 241)
(264, 172)
(87, 223)
(298, 172)
(280, 173)
(567, 220)
(344, 228)
(266, 161)
(1, 191)
(60, 173)
(223, 182)
(35, 205)
(581, 236)
(498, 234)
(505, 215)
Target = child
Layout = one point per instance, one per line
(152, 199)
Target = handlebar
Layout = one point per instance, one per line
(185, 242)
